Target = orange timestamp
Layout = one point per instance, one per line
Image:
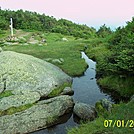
(118, 123)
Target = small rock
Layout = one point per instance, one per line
(106, 104)
(67, 91)
(48, 59)
(34, 42)
(56, 61)
(25, 44)
(85, 111)
(61, 59)
(40, 44)
(103, 106)
(64, 39)
(21, 39)
(132, 98)
(44, 40)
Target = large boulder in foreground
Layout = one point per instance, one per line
(24, 82)
(84, 111)
(41, 115)
(25, 72)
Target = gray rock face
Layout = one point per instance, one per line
(38, 116)
(106, 104)
(25, 72)
(22, 98)
(67, 91)
(84, 111)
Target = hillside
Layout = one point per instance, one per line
(27, 20)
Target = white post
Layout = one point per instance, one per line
(11, 26)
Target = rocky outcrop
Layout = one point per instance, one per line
(67, 91)
(84, 111)
(39, 116)
(103, 106)
(24, 82)
(106, 104)
(25, 72)
(19, 99)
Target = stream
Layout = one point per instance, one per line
(86, 90)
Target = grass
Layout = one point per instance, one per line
(124, 86)
(73, 64)
(107, 78)
(58, 90)
(51, 120)
(5, 94)
(13, 110)
(119, 112)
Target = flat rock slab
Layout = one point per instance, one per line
(25, 72)
(38, 116)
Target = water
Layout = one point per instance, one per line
(85, 87)
(86, 90)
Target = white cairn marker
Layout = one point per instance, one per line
(11, 26)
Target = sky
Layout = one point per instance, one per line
(95, 13)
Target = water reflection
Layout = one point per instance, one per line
(87, 91)
(85, 87)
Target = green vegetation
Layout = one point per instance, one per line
(113, 52)
(119, 112)
(115, 68)
(124, 86)
(33, 21)
(115, 60)
(13, 110)
(5, 94)
(50, 120)
(58, 90)
(56, 49)
(104, 31)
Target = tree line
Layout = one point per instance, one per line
(34, 21)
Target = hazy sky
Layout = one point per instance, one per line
(94, 13)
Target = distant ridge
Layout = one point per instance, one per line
(33, 21)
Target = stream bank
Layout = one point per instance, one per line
(86, 90)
